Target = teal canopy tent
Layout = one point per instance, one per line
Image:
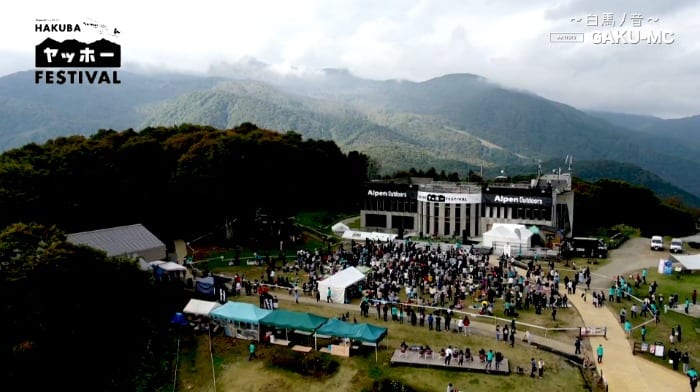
(287, 319)
(239, 319)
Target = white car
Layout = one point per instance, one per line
(676, 246)
(657, 243)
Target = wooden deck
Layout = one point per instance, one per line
(413, 358)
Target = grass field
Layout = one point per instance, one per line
(668, 285)
(357, 373)
(234, 372)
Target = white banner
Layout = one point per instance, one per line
(453, 198)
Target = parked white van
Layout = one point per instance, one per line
(676, 245)
(657, 243)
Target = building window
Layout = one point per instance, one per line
(458, 220)
(436, 218)
(427, 218)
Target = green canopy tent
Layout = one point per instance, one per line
(288, 319)
(366, 333)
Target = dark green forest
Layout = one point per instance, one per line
(179, 181)
(73, 319)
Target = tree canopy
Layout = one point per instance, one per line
(73, 317)
(177, 181)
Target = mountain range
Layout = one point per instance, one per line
(455, 122)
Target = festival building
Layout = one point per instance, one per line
(420, 206)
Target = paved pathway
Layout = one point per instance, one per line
(622, 370)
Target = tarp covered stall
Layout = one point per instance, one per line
(508, 237)
(338, 282)
(200, 308)
(205, 287)
(363, 332)
(689, 262)
(288, 319)
(240, 320)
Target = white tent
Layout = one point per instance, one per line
(363, 235)
(339, 282)
(168, 266)
(340, 227)
(200, 308)
(510, 236)
(689, 262)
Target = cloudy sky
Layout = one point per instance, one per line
(507, 41)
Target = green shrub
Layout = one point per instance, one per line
(314, 364)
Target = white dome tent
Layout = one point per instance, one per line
(508, 238)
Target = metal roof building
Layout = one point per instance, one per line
(132, 240)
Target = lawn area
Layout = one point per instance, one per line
(669, 285)
(357, 373)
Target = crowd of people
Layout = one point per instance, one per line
(431, 287)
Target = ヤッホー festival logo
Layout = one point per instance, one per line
(71, 54)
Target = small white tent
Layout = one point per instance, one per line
(508, 235)
(339, 282)
(200, 308)
(340, 227)
(689, 262)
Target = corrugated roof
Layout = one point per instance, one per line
(117, 241)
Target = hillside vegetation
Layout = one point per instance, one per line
(453, 122)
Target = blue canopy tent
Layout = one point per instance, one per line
(240, 320)
(288, 319)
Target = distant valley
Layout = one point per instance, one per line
(456, 122)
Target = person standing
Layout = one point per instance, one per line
(685, 360)
(628, 328)
(687, 305)
(643, 330)
(489, 360)
(678, 333)
(695, 297)
(498, 332)
(540, 367)
(512, 337)
(328, 295)
(577, 345)
(554, 313)
(318, 296)
(693, 376)
(499, 359)
(599, 351)
(505, 334)
(296, 294)
(644, 275)
(251, 350)
(533, 367)
(448, 355)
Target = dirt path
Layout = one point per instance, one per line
(622, 370)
